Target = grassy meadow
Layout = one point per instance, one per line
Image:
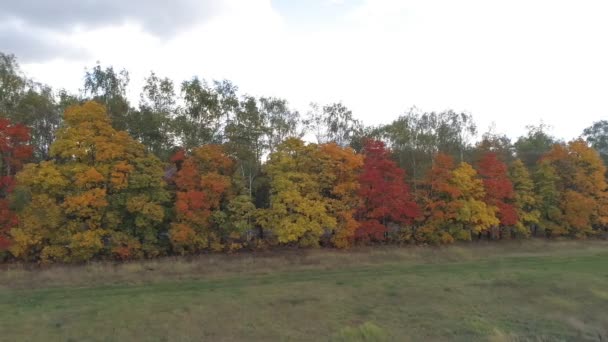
(519, 291)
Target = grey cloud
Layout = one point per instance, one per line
(35, 46)
(31, 29)
(159, 17)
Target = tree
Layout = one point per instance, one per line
(439, 209)
(498, 189)
(29, 103)
(335, 123)
(109, 88)
(455, 206)
(339, 179)
(207, 112)
(196, 125)
(582, 184)
(416, 138)
(384, 195)
(39, 110)
(313, 194)
(597, 136)
(534, 145)
(207, 214)
(548, 198)
(297, 211)
(101, 195)
(14, 152)
(473, 215)
(152, 124)
(245, 140)
(496, 143)
(12, 83)
(526, 201)
(281, 122)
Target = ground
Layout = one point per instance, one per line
(514, 291)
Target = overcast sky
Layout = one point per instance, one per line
(513, 62)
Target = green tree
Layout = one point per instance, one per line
(417, 137)
(282, 123)
(153, 124)
(12, 83)
(526, 202)
(597, 136)
(496, 143)
(245, 140)
(334, 123)
(29, 103)
(531, 147)
(207, 112)
(109, 88)
(548, 198)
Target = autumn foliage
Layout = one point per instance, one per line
(498, 188)
(580, 189)
(456, 207)
(14, 151)
(207, 210)
(384, 194)
(313, 194)
(102, 195)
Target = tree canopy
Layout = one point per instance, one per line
(196, 166)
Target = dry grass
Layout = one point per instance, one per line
(531, 291)
(19, 275)
(211, 266)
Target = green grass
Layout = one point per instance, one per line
(532, 291)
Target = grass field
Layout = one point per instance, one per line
(530, 291)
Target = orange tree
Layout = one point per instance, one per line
(437, 202)
(339, 179)
(582, 187)
(209, 213)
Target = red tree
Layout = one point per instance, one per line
(203, 187)
(14, 151)
(499, 188)
(384, 195)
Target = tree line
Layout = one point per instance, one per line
(88, 176)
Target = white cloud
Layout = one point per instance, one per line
(513, 63)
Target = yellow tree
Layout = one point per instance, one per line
(101, 195)
(297, 212)
(473, 214)
(454, 207)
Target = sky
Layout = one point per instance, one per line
(508, 63)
